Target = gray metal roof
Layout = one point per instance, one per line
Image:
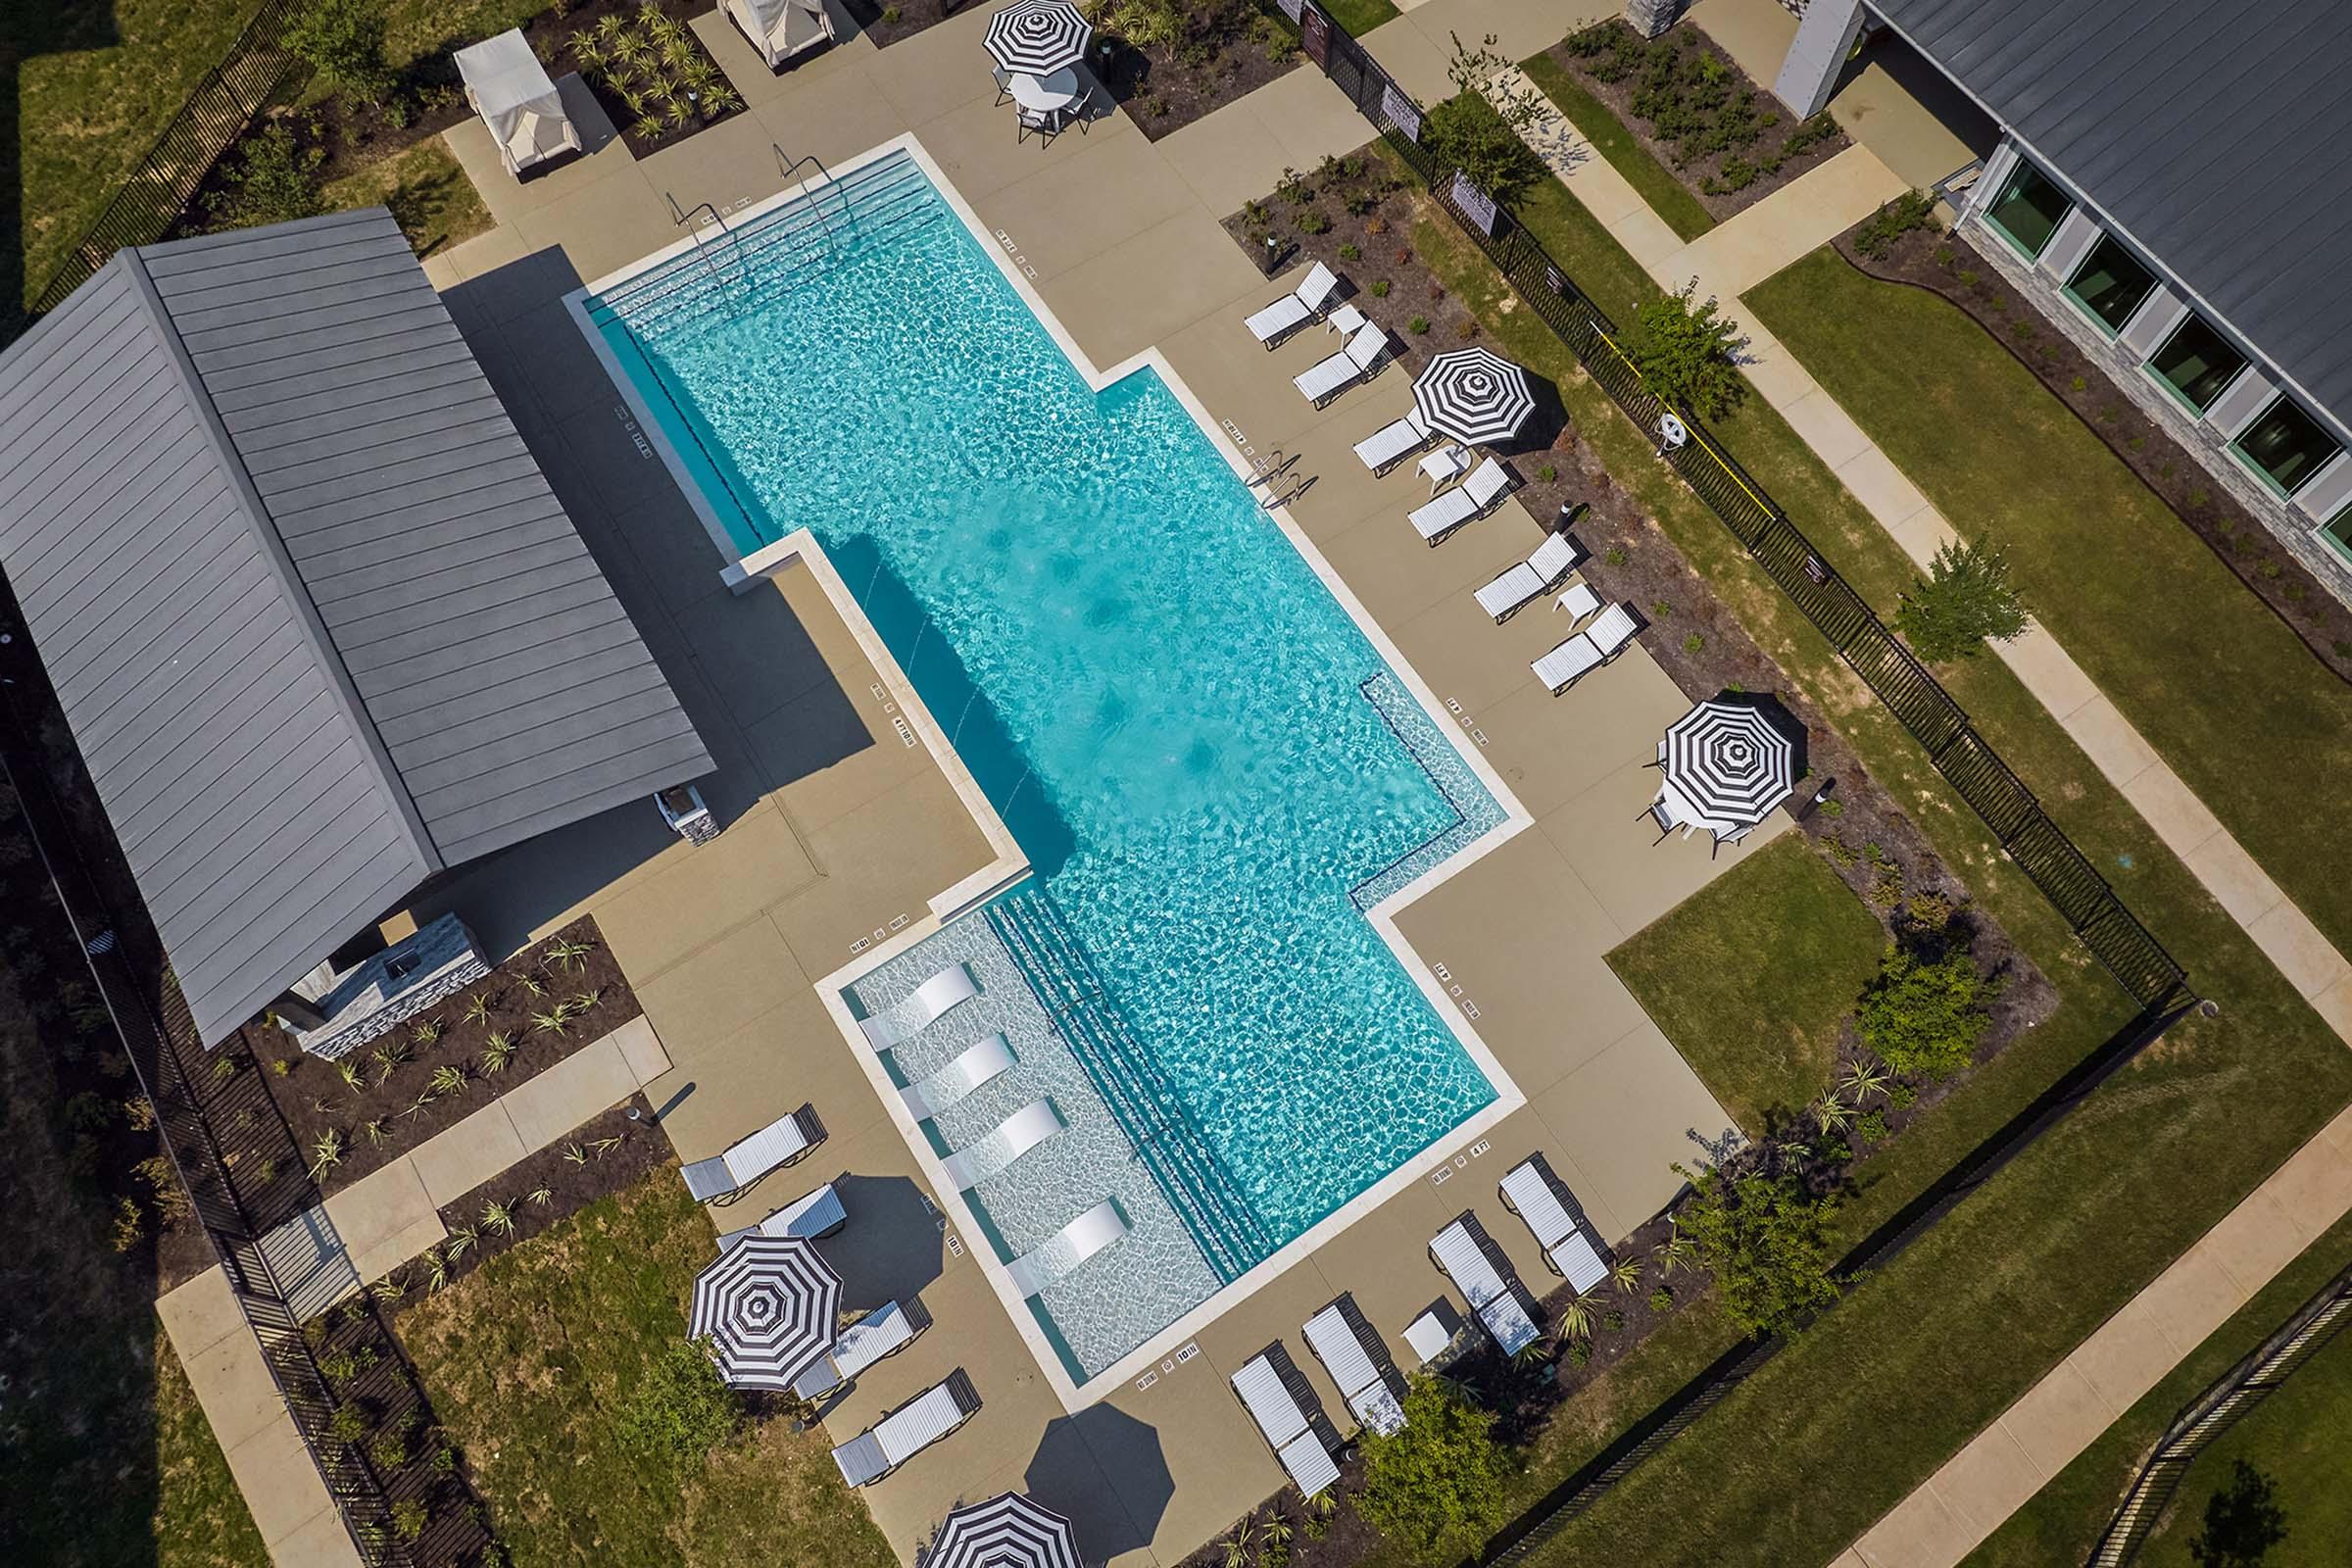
(318, 622)
(2212, 136)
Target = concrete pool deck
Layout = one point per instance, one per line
(839, 831)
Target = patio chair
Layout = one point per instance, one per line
(908, 1431)
(1359, 361)
(1359, 1361)
(1046, 122)
(1554, 1216)
(1009, 1141)
(1063, 1251)
(722, 1178)
(951, 988)
(884, 1332)
(978, 1064)
(1295, 309)
(1391, 444)
(1529, 580)
(1464, 1254)
(1465, 503)
(1289, 1418)
(1003, 84)
(821, 1213)
(1660, 813)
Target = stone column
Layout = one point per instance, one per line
(1653, 17)
(1825, 36)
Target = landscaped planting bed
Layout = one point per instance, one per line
(379, 1101)
(1170, 62)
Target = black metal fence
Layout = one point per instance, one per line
(2091, 908)
(257, 73)
(2223, 1405)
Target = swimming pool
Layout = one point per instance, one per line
(1211, 769)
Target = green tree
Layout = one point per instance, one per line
(1924, 1014)
(269, 178)
(1766, 1241)
(1684, 352)
(1434, 1486)
(1471, 134)
(345, 38)
(680, 1409)
(2241, 1522)
(1965, 600)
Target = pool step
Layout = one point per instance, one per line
(1132, 1083)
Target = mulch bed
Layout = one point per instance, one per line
(1234, 49)
(1947, 265)
(887, 23)
(395, 1106)
(1766, 162)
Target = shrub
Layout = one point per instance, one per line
(1873, 1127)
(1965, 600)
(1379, 288)
(1469, 134)
(1684, 353)
(1313, 222)
(1545, 473)
(345, 38)
(130, 1224)
(1433, 1487)
(1661, 1300)
(1351, 252)
(1417, 325)
(680, 1409)
(1924, 1016)
(1765, 1240)
(270, 178)
(1913, 208)
(409, 1519)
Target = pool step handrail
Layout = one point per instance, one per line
(682, 218)
(791, 166)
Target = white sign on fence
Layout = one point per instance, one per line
(1399, 110)
(1472, 203)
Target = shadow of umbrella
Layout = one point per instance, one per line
(1105, 1471)
(1770, 708)
(891, 1249)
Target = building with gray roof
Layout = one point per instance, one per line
(2170, 187)
(318, 626)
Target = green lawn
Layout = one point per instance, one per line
(413, 27)
(1753, 977)
(1936, 1342)
(435, 203)
(2301, 1435)
(1360, 17)
(526, 1361)
(1667, 196)
(2254, 724)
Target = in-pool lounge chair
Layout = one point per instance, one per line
(721, 1178)
(976, 1065)
(818, 1214)
(1295, 309)
(1530, 579)
(1012, 1138)
(1359, 361)
(1289, 1417)
(1067, 1247)
(951, 988)
(908, 1431)
(885, 1331)
(1466, 1256)
(1352, 1352)
(1391, 444)
(1587, 651)
(1532, 1192)
(1466, 502)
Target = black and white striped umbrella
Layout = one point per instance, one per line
(1732, 760)
(769, 1306)
(1009, 1530)
(1038, 38)
(1474, 395)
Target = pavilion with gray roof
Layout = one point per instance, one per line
(317, 623)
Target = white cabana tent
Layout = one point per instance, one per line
(509, 88)
(782, 29)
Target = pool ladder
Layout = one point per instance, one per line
(1268, 471)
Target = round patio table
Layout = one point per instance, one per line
(1044, 94)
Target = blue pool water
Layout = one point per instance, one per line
(1211, 769)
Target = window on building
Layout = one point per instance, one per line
(2110, 284)
(2337, 532)
(2030, 209)
(2195, 363)
(2285, 446)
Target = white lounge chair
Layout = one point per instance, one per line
(1391, 444)
(885, 1331)
(1587, 651)
(1466, 502)
(1013, 1136)
(1460, 1251)
(821, 1213)
(908, 1431)
(1363, 356)
(1530, 1191)
(1067, 1247)
(1288, 1415)
(1358, 1362)
(781, 28)
(1295, 309)
(1529, 580)
(951, 987)
(976, 1065)
(721, 1178)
